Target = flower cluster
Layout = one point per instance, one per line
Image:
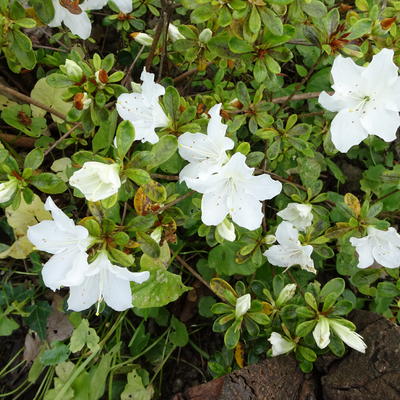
(88, 282)
(228, 185)
(366, 99)
(143, 109)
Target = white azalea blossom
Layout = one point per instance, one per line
(243, 304)
(7, 189)
(67, 241)
(280, 345)
(299, 215)
(143, 109)
(142, 38)
(380, 246)
(367, 100)
(286, 294)
(290, 251)
(234, 191)
(226, 230)
(351, 338)
(321, 333)
(72, 70)
(124, 5)
(96, 180)
(105, 281)
(173, 33)
(74, 16)
(205, 153)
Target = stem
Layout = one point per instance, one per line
(6, 90)
(58, 141)
(165, 177)
(279, 178)
(128, 79)
(155, 43)
(19, 141)
(186, 74)
(176, 201)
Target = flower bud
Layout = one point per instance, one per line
(226, 230)
(269, 239)
(96, 180)
(280, 345)
(73, 70)
(286, 294)
(7, 189)
(82, 101)
(142, 38)
(321, 333)
(242, 305)
(101, 77)
(174, 34)
(205, 35)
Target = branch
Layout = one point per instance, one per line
(186, 74)
(12, 92)
(176, 201)
(19, 141)
(301, 96)
(66, 134)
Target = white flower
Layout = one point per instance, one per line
(299, 215)
(286, 294)
(322, 333)
(290, 251)
(143, 109)
(367, 100)
(67, 241)
(73, 70)
(378, 245)
(205, 35)
(74, 16)
(96, 180)
(280, 345)
(124, 5)
(7, 189)
(351, 338)
(142, 38)
(226, 230)
(234, 191)
(173, 33)
(243, 304)
(105, 281)
(205, 153)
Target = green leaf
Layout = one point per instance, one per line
(314, 8)
(48, 183)
(135, 389)
(58, 353)
(7, 326)
(201, 14)
(105, 135)
(171, 102)
(139, 176)
(34, 159)
(239, 46)
(232, 335)
(306, 353)
(305, 328)
(362, 27)
(163, 150)
(98, 378)
(37, 319)
(21, 45)
(365, 277)
(125, 137)
(254, 20)
(161, 288)
(148, 245)
(44, 9)
(84, 335)
(179, 335)
(336, 285)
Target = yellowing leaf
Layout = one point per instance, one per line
(239, 354)
(51, 97)
(20, 219)
(353, 203)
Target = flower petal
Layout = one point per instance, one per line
(65, 269)
(364, 251)
(117, 293)
(381, 122)
(124, 5)
(150, 89)
(79, 24)
(321, 333)
(59, 14)
(124, 273)
(246, 211)
(346, 74)
(262, 187)
(85, 295)
(347, 130)
(214, 208)
(287, 234)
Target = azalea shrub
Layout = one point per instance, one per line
(215, 177)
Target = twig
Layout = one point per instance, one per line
(156, 38)
(186, 74)
(176, 201)
(128, 79)
(40, 46)
(301, 96)
(66, 134)
(19, 141)
(12, 92)
(165, 177)
(279, 178)
(194, 273)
